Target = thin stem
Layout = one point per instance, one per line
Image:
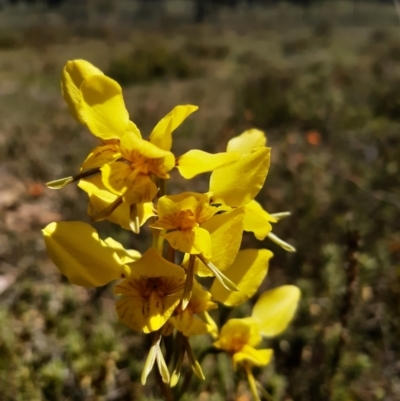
(187, 291)
(188, 377)
(264, 392)
(164, 388)
(62, 182)
(170, 254)
(252, 382)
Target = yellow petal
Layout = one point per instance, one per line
(257, 357)
(117, 177)
(196, 162)
(76, 249)
(236, 333)
(193, 241)
(101, 198)
(247, 272)
(125, 255)
(100, 156)
(275, 309)
(121, 179)
(201, 299)
(169, 209)
(133, 129)
(158, 311)
(247, 142)
(102, 108)
(226, 230)
(74, 73)
(257, 220)
(152, 264)
(142, 190)
(239, 183)
(132, 144)
(161, 135)
(149, 312)
(190, 325)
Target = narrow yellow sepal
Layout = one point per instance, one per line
(225, 281)
(60, 183)
(283, 244)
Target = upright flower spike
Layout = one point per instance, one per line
(151, 293)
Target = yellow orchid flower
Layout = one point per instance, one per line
(225, 231)
(270, 316)
(151, 292)
(238, 184)
(182, 215)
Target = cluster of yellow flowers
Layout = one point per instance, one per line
(194, 234)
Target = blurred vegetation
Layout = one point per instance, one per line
(152, 60)
(328, 95)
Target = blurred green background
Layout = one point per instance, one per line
(321, 78)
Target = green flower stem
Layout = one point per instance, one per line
(252, 382)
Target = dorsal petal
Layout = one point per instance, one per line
(247, 142)
(102, 107)
(74, 73)
(79, 253)
(238, 184)
(161, 135)
(275, 309)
